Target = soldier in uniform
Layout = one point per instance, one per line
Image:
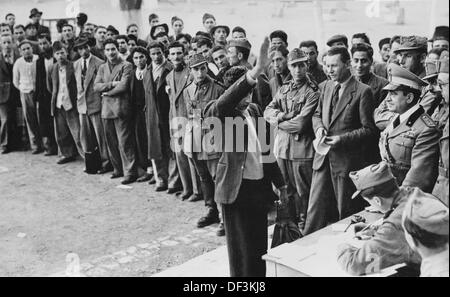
(291, 112)
(441, 187)
(425, 221)
(409, 144)
(386, 244)
(196, 95)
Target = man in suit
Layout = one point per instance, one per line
(43, 95)
(9, 95)
(89, 103)
(244, 176)
(157, 104)
(113, 81)
(343, 121)
(35, 16)
(64, 105)
(177, 80)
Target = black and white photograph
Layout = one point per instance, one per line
(210, 141)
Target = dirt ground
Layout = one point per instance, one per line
(51, 212)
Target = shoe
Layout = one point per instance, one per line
(50, 153)
(212, 217)
(104, 170)
(184, 196)
(144, 178)
(195, 198)
(161, 187)
(174, 190)
(152, 181)
(5, 151)
(129, 180)
(220, 230)
(37, 151)
(65, 160)
(116, 175)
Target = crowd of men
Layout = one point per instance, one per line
(352, 127)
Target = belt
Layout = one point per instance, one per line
(443, 172)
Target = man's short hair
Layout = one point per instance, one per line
(425, 238)
(341, 51)
(45, 36)
(384, 41)
(406, 90)
(67, 25)
(279, 48)
(20, 26)
(161, 34)
(25, 41)
(203, 41)
(152, 16)
(58, 45)
(279, 34)
(240, 30)
(395, 38)
(142, 50)
(132, 37)
(362, 47)
(124, 37)
(9, 14)
(111, 41)
(363, 36)
(244, 51)
(131, 25)
(217, 48)
(185, 36)
(308, 43)
(98, 28)
(155, 44)
(176, 44)
(90, 24)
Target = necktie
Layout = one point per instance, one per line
(8, 59)
(335, 98)
(396, 122)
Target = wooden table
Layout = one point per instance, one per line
(301, 257)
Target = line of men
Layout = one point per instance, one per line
(116, 99)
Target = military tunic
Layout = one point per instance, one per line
(411, 151)
(441, 188)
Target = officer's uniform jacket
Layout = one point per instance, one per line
(412, 152)
(441, 188)
(294, 138)
(387, 247)
(196, 97)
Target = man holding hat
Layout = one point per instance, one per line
(387, 244)
(426, 221)
(220, 34)
(35, 16)
(441, 187)
(291, 112)
(409, 144)
(196, 95)
(89, 102)
(440, 37)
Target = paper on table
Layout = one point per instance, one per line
(291, 251)
(339, 227)
(320, 146)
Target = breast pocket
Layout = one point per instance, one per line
(404, 147)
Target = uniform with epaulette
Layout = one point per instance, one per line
(294, 139)
(409, 144)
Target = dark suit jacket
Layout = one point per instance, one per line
(42, 90)
(7, 90)
(230, 168)
(352, 120)
(71, 85)
(89, 101)
(116, 103)
(376, 84)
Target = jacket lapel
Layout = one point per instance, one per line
(162, 79)
(69, 73)
(328, 89)
(345, 99)
(402, 128)
(183, 83)
(90, 71)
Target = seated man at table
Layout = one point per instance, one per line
(387, 245)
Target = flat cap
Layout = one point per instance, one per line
(204, 35)
(207, 16)
(399, 76)
(371, 176)
(338, 38)
(112, 29)
(240, 42)
(197, 60)
(411, 43)
(296, 55)
(440, 33)
(427, 212)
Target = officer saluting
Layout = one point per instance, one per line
(409, 144)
